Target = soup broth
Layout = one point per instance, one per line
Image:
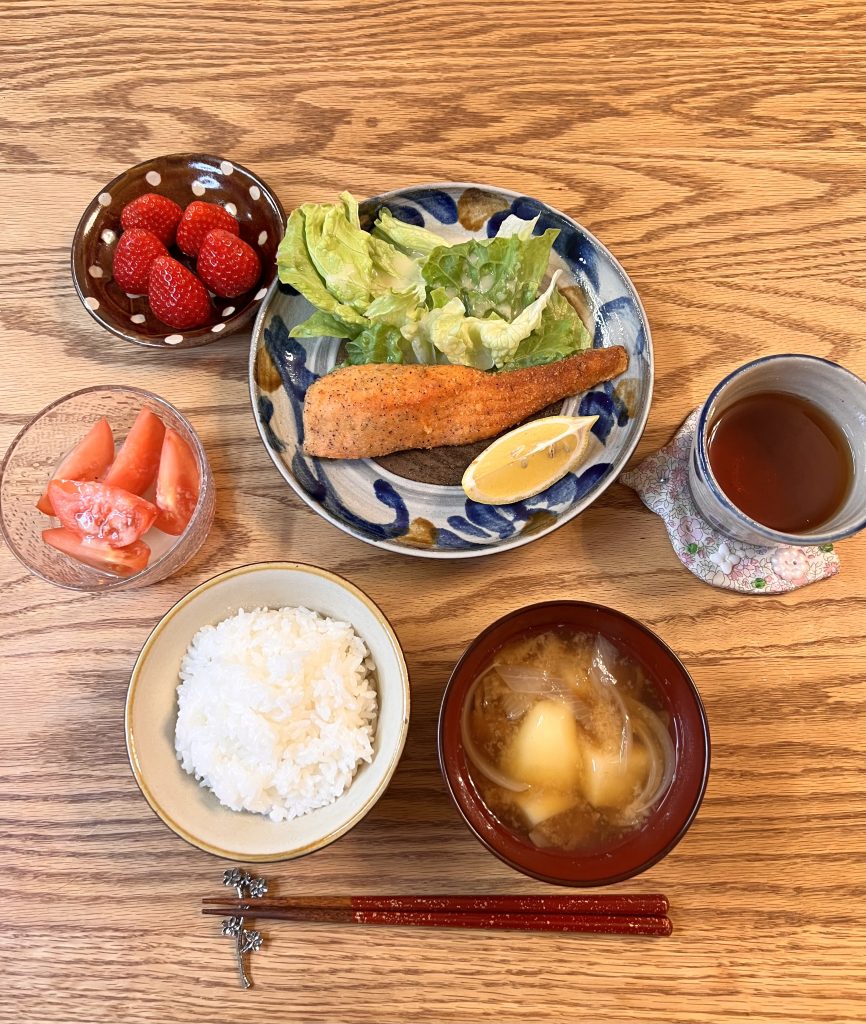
(566, 742)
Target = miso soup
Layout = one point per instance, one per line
(566, 741)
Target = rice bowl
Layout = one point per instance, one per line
(192, 811)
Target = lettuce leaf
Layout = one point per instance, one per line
(395, 308)
(415, 242)
(394, 271)
(483, 343)
(500, 275)
(325, 325)
(340, 253)
(561, 333)
(514, 225)
(379, 343)
(295, 267)
(403, 294)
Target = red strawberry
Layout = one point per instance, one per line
(135, 252)
(176, 295)
(227, 265)
(153, 213)
(197, 220)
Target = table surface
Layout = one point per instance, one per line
(718, 150)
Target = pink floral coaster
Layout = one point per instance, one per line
(662, 481)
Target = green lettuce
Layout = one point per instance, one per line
(394, 271)
(379, 343)
(560, 334)
(415, 242)
(500, 275)
(325, 325)
(340, 253)
(403, 294)
(295, 267)
(484, 343)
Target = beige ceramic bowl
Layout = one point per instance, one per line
(193, 812)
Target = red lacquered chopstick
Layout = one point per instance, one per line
(606, 924)
(653, 904)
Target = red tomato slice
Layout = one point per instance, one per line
(119, 561)
(177, 484)
(101, 512)
(88, 460)
(138, 459)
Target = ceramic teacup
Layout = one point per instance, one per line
(838, 392)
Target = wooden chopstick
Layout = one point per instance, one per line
(609, 904)
(616, 914)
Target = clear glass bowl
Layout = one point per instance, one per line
(35, 453)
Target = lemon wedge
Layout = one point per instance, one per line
(527, 460)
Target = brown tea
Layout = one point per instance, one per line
(781, 460)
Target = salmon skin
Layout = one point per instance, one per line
(360, 412)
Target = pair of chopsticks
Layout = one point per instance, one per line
(621, 914)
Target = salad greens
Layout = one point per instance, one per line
(403, 294)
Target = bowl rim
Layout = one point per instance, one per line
(194, 337)
(150, 642)
(520, 539)
(703, 738)
(112, 582)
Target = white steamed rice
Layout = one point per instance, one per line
(277, 708)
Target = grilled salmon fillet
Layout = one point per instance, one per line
(363, 411)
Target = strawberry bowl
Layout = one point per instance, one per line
(206, 193)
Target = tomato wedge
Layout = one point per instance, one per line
(101, 512)
(88, 460)
(177, 484)
(137, 461)
(118, 561)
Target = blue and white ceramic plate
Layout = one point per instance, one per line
(412, 502)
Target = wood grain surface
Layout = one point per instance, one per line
(718, 149)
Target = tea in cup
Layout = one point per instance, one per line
(779, 453)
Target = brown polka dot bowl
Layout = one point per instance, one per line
(184, 178)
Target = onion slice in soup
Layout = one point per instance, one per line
(482, 763)
(660, 748)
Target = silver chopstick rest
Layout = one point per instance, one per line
(247, 940)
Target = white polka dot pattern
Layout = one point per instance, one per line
(138, 318)
(91, 303)
(198, 189)
(260, 294)
(153, 177)
(104, 199)
(263, 237)
(217, 328)
(174, 339)
(255, 192)
(94, 271)
(232, 209)
(227, 167)
(228, 311)
(108, 236)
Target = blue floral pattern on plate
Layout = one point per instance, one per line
(377, 506)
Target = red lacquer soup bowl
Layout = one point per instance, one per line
(666, 823)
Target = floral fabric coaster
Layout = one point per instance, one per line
(662, 481)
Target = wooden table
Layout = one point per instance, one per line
(719, 151)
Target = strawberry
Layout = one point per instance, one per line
(176, 295)
(197, 220)
(135, 252)
(227, 265)
(153, 213)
